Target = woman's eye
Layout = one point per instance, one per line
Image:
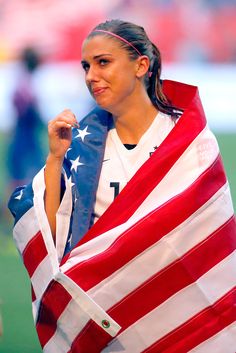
(85, 67)
(103, 62)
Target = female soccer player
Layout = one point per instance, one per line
(128, 233)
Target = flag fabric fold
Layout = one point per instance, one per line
(156, 272)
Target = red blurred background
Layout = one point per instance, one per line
(184, 30)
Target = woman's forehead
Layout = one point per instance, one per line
(100, 44)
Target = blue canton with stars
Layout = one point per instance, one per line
(82, 165)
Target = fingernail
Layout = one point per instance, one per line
(76, 125)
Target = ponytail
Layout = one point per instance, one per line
(154, 86)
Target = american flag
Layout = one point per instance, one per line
(157, 272)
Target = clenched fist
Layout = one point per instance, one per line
(60, 134)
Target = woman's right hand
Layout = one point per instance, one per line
(60, 134)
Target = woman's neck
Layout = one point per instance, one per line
(133, 123)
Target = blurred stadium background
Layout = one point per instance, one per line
(197, 39)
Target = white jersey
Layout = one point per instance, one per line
(120, 163)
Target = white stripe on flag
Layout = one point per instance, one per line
(177, 309)
(42, 276)
(63, 220)
(24, 234)
(223, 342)
(35, 308)
(39, 189)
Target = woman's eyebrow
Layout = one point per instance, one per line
(104, 54)
(96, 57)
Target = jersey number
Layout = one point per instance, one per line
(116, 187)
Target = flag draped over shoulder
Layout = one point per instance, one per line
(156, 273)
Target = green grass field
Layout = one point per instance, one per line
(19, 334)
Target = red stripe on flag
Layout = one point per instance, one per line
(33, 296)
(136, 239)
(94, 343)
(172, 279)
(198, 329)
(53, 303)
(34, 253)
(182, 95)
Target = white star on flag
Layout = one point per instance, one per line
(70, 239)
(66, 155)
(76, 163)
(83, 133)
(20, 195)
(69, 182)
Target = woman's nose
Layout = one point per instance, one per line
(91, 75)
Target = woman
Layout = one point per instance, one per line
(128, 244)
(126, 84)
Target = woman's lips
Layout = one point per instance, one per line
(98, 91)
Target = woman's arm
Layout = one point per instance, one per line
(60, 135)
(52, 177)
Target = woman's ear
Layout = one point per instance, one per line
(143, 64)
